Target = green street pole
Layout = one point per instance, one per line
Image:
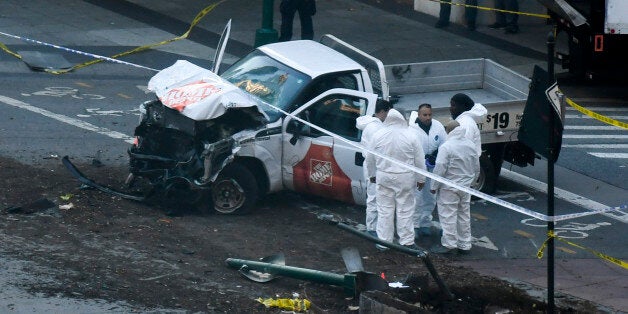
(267, 34)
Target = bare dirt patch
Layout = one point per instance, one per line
(109, 248)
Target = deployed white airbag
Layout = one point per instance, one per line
(197, 92)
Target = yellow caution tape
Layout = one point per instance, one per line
(297, 305)
(7, 50)
(603, 256)
(196, 20)
(543, 16)
(597, 116)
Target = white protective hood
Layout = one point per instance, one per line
(362, 121)
(198, 93)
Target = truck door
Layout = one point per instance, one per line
(220, 49)
(321, 163)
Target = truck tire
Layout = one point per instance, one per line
(235, 191)
(487, 179)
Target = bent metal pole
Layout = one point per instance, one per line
(420, 253)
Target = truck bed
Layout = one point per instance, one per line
(485, 81)
(502, 91)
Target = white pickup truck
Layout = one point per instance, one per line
(248, 148)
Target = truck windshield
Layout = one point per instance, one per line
(267, 79)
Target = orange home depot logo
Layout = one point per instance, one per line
(321, 172)
(318, 173)
(178, 98)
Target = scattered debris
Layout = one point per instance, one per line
(96, 161)
(42, 61)
(297, 305)
(66, 206)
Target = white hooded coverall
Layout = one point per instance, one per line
(395, 184)
(425, 201)
(369, 125)
(467, 122)
(457, 161)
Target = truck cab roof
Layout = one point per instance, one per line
(310, 57)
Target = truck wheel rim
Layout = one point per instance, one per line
(479, 183)
(228, 196)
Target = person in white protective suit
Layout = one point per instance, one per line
(457, 161)
(369, 125)
(465, 111)
(432, 134)
(395, 183)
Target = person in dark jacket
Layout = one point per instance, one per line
(470, 13)
(306, 9)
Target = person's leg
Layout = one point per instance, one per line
(500, 17)
(471, 13)
(287, 9)
(371, 205)
(385, 207)
(305, 16)
(464, 222)
(405, 207)
(447, 203)
(512, 26)
(444, 13)
(424, 208)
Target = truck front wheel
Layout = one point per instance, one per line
(235, 190)
(487, 179)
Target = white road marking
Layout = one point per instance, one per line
(600, 146)
(565, 195)
(606, 136)
(583, 116)
(610, 155)
(484, 242)
(592, 127)
(65, 119)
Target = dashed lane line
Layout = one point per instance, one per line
(597, 146)
(610, 155)
(67, 120)
(592, 127)
(581, 136)
(582, 116)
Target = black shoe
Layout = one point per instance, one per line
(511, 29)
(471, 27)
(464, 252)
(441, 24)
(439, 249)
(497, 25)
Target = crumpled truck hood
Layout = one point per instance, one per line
(198, 93)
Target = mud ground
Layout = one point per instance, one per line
(113, 249)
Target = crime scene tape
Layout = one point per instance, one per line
(603, 256)
(98, 58)
(543, 16)
(73, 51)
(490, 198)
(597, 116)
